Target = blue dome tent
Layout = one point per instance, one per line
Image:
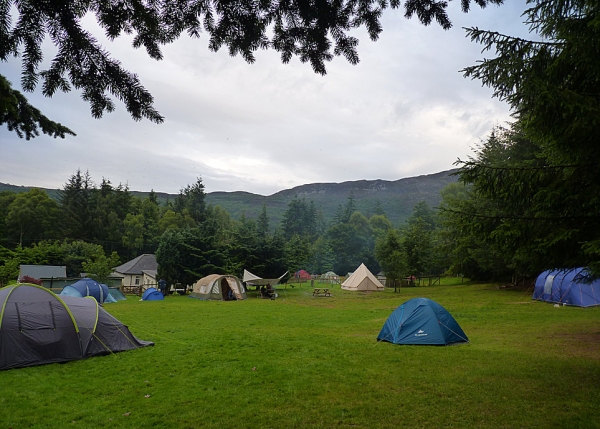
(421, 321)
(152, 294)
(568, 286)
(88, 287)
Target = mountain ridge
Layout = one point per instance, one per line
(396, 197)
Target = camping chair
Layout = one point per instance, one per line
(273, 293)
(268, 293)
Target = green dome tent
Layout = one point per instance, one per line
(39, 327)
(116, 294)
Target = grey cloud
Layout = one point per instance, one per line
(403, 110)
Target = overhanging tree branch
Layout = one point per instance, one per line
(315, 31)
(24, 119)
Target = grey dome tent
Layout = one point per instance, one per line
(223, 287)
(39, 327)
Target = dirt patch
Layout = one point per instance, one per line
(584, 344)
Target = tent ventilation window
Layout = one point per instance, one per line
(28, 316)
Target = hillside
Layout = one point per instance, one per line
(396, 197)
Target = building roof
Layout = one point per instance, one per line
(151, 273)
(43, 271)
(137, 265)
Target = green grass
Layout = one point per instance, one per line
(301, 361)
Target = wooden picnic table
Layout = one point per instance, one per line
(321, 291)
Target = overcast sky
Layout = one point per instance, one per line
(404, 110)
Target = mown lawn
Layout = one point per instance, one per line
(300, 361)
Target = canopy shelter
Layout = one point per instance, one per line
(362, 280)
(221, 287)
(568, 286)
(39, 327)
(421, 321)
(88, 287)
(252, 280)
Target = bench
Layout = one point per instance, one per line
(321, 291)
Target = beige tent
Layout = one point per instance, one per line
(362, 279)
(218, 287)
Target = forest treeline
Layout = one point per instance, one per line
(526, 201)
(509, 214)
(93, 228)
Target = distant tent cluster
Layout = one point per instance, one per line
(568, 286)
(39, 327)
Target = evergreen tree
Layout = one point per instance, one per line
(347, 244)
(322, 257)
(418, 246)
(191, 201)
(186, 255)
(299, 219)
(378, 210)
(392, 257)
(76, 206)
(542, 210)
(110, 207)
(262, 224)
(243, 250)
(521, 215)
(350, 208)
(297, 253)
(24, 119)
(6, 198)
(153, 198)
(133, 234)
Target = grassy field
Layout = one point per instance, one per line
(301, 361)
